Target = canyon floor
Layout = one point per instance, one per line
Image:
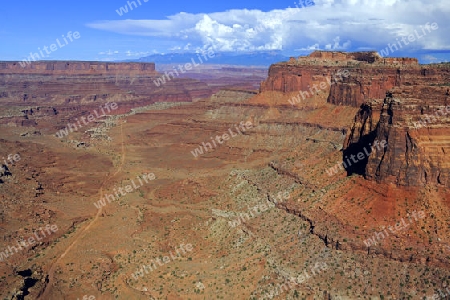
(319, 221)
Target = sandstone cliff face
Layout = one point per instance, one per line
(43, 89)
(362, 85)
(373, 81)
(291, 78)
(370, 75)
(76, 67)
(88, 82)
(394, 95)
(415, 154)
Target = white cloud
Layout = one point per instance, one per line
(137, 53)
(336, 46)
(429, 58)
(330, 24)
(309, 48)
(109, 52)
(126, 53)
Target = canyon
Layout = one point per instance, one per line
(325, 220)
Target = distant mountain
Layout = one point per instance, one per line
(264, 59)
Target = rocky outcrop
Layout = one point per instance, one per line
(285, 77)
(370, 75)
(372, 81)
(417, 153)
(76, 67)
(47, 88)
(89, 82)
(400, 101)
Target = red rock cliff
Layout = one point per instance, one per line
(77, 67)
(401, 102)
(370, 75)
(417, 132)
(59, 87)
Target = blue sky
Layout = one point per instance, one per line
(177, 26)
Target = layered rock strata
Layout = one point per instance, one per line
(417, 152)
(76, 67)
(400, 101)
(48, 88)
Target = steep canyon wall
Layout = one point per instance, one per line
(396, 97)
